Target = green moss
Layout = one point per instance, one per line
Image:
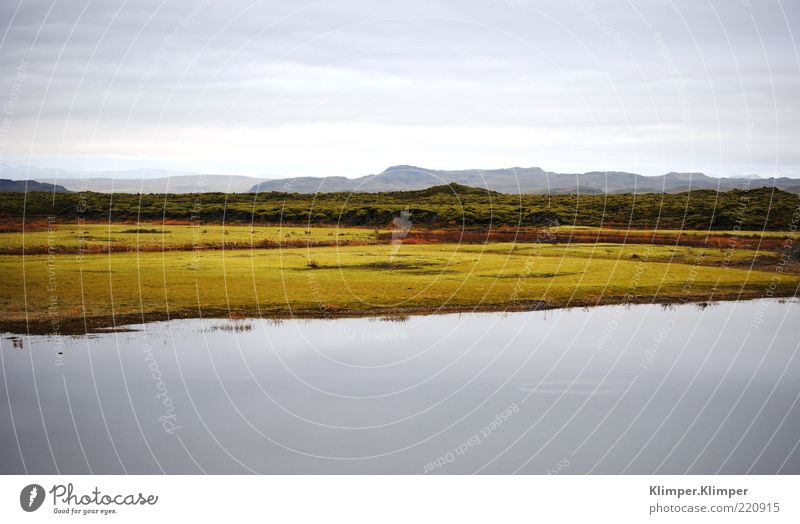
(367, 279)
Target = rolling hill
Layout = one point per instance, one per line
(20, 186)
(531, 180)
(515, 180)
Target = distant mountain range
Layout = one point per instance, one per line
(133, 181)
(397, 178)
(522, 180)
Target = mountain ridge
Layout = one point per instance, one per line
(516, 180)
(403, 177)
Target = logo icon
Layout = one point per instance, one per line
(401, 226)
(31, 497)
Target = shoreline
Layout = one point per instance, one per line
(80, 326)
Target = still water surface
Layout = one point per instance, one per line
(644, 389)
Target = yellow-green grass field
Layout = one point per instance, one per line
(157, 236)
(691, 232)
(47, 292)
(118, 237)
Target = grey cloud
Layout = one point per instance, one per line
(601, 73)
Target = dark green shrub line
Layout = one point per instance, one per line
(450, 206)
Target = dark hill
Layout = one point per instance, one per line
(21, 186)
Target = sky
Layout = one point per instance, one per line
(350, 87)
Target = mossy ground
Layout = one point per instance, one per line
(372, 279)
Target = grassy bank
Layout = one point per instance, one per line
(61, 292)
(42, 237)
(88, 238)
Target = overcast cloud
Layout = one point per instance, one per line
(350, 87)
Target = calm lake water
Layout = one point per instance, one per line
(644, 389)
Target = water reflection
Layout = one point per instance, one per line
(639, 389)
